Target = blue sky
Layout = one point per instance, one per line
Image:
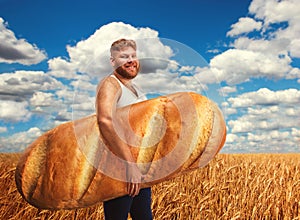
(242, 54)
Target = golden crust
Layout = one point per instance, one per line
(70, 167)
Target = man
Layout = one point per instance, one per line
(116, 91)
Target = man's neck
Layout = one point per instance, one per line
(126, 82)
(122, 79)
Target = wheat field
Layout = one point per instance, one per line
(232, 186)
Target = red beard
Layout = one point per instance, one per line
(126, 73)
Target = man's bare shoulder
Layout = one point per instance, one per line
(108, 84)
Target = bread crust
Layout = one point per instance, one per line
(70, 167)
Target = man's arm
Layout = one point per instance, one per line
(107, 96)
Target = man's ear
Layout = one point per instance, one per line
(112, 61)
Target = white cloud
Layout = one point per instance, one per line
(84, 83)
(233, 138)
(13, 50)
(243, 124)
(21, 84)
(294, 48)
(244, 25)
(23, 95)
(273, 11)
(263, 111)
(66, 94)
(81, 103)
(41, 99)
(91, 56)
(268, 136)
(236, 66)
(270, 47)
(267, 54)
(277, 12)
(19, 141)
(14, 111)
(61, 68)
(227, 90)
(296, 135)
(208, 75)
(263, 141)
(265, 96)
(264, 121)
(62, 116)
(294, 74)
(227, 109)
(164, 82)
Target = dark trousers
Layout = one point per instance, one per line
(139, 207)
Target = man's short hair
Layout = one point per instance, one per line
(121, 43)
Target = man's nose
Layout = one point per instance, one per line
(130, 59)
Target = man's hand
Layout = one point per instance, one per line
(134, 179)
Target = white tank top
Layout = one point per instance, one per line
(128, 97)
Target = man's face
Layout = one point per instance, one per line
(125, 62)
